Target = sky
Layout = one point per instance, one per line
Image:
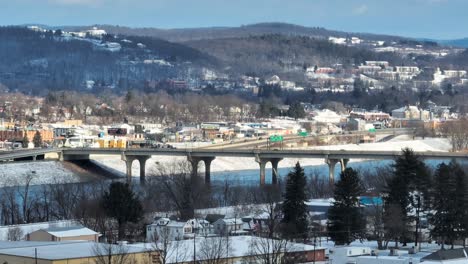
(436, 19)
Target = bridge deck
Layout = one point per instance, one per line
(331, 154)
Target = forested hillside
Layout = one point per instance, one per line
(37, 61)
(273, 54)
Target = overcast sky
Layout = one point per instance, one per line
(441, 19)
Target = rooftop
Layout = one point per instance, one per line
(61, 250)
(70, 231)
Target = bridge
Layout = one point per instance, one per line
(195, 156)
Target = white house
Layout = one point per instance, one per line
(348, 254)
(228, 226)
(201, 227)
(164, 228)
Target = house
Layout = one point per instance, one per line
(447, 256)
(228, 226)
(64, 234)
(410, 112)
(164, 228)
(201, 227)
(28, 252)
(348, 254)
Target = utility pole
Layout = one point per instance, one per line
(194, 249)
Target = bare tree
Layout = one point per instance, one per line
(15, 234)
(26, 196)
(170, 251)
(112, 254)
(185, 191)
(268, 250)
(457, 133)
(319, 186)
(269, 197)
(214, 250)
(375, 216)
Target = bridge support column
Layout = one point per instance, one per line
(344, 164)
(194, 161)
(274, 170)
(262, 163)
(128, 164)
(142, 160)
(331, 169)
(207, 162)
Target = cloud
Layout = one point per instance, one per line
(360, 10)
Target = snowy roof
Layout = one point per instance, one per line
(232, 221)
(240, 246)
(58, 251)
(70, 231)
(449, 254)
(320, 202)
(29, 228)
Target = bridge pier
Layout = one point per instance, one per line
(274, 169)
(194, 161)
(274, 172)
(344, 164)
(262, 163)
(128, 163)
(331, 167)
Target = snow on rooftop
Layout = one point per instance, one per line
(70, 231)
(240, 246)
(64, 250)
(327, 116)
(29, 228)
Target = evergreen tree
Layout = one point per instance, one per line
(296, 110)
(409, 189)
(442, 220)
(121, 203)
(25, 140)
(37, 140)
(460, 205)
(346, 222)
(295, 223)
(449, 204)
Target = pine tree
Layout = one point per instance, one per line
(449, 198)
(442, 219)
(121, 203)
(409, 189)
(25, 140)
(458, 207)
(37, 140)
(346, 222)
(295, 222)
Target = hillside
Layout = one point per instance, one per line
(273, 54)
(191, 34)
(40, 60)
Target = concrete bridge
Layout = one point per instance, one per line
(195, 156)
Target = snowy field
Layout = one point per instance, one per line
(225, 164)
(41, 172)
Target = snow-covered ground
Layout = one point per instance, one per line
(235, 164)
(42, 172)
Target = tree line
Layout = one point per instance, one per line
(413, 199)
